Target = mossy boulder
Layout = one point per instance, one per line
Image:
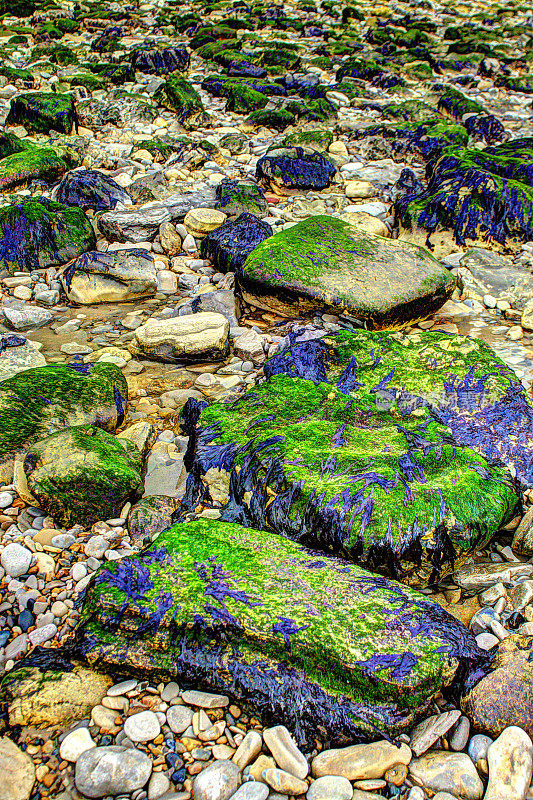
(41, 112)
(311, 641)
(275, 118)
(55, 53)
(178, 95)
(455, 104)
(473, 195)
(39, 233)
(323, 262)
(285, 169)
(243, 99)
(238, 197)
(39, 401)
(83, 474)
(32, 163)
(383, 448)
(318, 140)
(90, 188)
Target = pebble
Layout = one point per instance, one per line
(439, 770)
(122, 688)
(76, 743)
(283, 782)
(361, 761)
(111, 770)
(427, 732)
(248, 749)
(510, 760)
(219, 781)
(330, 787)
(251, 790)
(142, 727)
(204, 699)
(179, 718)
(16, 559)
(286, 754)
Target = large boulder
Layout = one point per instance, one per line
(38, 401)
(42, 112)
(39, 233)
(323, 262)
(178, 95)
(312, 641)
(33, 163)
(83, 474)
(115, 277)
(380, 447)
(91, 189)
(193, 337)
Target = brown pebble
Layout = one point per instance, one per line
(396, 774)
(235, 711)
(194, 769)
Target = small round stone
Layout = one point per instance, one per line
(15, 559)
(478, 746)
(179, 718)
(142, 727)
(122, 688)
(76, 743)
(219, 781)
(330, 787)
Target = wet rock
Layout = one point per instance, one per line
(523, 536)
(510, 760)
(17, 769)
(439, 770)
(90, 189)
(33, 163)
(219, 301)
(102, 771)
(249, 748)
(188, 338)
(360, 761)
(238, 197)
(150, 516)
(178, 95)
(161, 61)
(115, 277)
(294, 168)
(41, 112)
(286, 754)
(324, 262)
(476, 577)
(430, 730)
(201, 221)
(26, 318)
(229, 245)
(39, 233)
(219, 781)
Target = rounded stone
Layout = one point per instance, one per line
(478, 746)
(111, 770)
(179, 718)
(76, 743)
(142, 727)
(510, 760)
(15, 559)
(200, 221)
(330, 787)
(219, 781)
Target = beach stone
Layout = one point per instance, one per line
(218, 781)
(115, 277)
(219, 301)
(459, 734)
(188, 338)
(18, 354)
(41, 112)
(286, 754)
(285, 169)
(229, 245)
(142, 727)
(504, 697)
(104, 718)
(76, 743)
(90, 188)
(249, 748)
(427, 732)
(27, 318)
(159, 784)
(478, 747)
(261, 763)
(251, 790)
(17, 771)
(16, 559)
(439, 770)
(150, 516)
(111, 770)
(325, 263)
(179, 718)
(360, 761)
(201, 221)
(204, 699)
(330, 787)
(170, 239)
(283, 782)
(523, 536)
(510, 760)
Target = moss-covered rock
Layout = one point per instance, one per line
(285, 169)
(233, 610)
(90, 189)
(39, 401)
(56, 53)
(318, 140)
(41, 112)
(33, 163)
(237, 197)
(83, 474)
(276, 118)
(243, 99)
(455, 104)
(161, 149)
(178, 95)
(39, 233)
(380, 447)
(323, 262)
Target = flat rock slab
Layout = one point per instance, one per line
(280, 613)
(113, 277)
(325, 262)
(189, 338)
(17, 354)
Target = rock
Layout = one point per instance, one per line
(44, 701)
(503, 697)
(284, 169)
(285, 752)
(41, 112)
(17, 770)
(430, 730)
(159, 784)
(249, 557)
(220, 301)
(251, 790)
(150, 516)
(360, 368)
(360, 189)
(33, 163)
(460, 734)
(18, 354)
(284, 782)
(39, 401)
(115, 277)
(90, 188)
(239, 197)
(218, 781)
(170, 239)
(143, 223)
(366, 222)
(142, 727)
(161, 61)
(229, 245)
(177, 94)
(38, 233)
(249, 346)
(249, 748)
(439, 770)
(478, 747)
(76, 743)
(261, 763)
(326, 263)
(360, 761)
(523, 536)
(476, 577)
(15, 559)
(179, 718)
(26, 318)
(188, 338)
(201, 221)
(83, 474)
(102, 771)
(330, 787)
(510, 760)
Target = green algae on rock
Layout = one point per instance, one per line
(83, 474)
(41, 112)
(325, 262)
(312, 641)
(39, 233)
(36, 402)
(380, 447)
(178, 95)
(32, 163)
